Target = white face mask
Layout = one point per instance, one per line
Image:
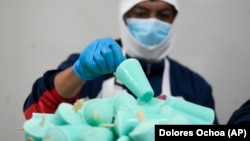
(149, 31)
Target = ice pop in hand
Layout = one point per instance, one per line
(131, 74)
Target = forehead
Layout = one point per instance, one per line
(154, 5)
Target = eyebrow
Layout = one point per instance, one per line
(164, 9)
(141, 7)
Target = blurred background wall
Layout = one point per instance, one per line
(36, 35)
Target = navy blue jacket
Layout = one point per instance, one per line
(241, 116)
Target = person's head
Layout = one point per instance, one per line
(147, 27)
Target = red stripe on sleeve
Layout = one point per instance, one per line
(48, 103)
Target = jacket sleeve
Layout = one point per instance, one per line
(43, 97)
(241, 116)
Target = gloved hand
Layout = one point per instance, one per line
(102, 56)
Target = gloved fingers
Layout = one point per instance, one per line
(109, 57)
(99, 59)
(90, 65)
(90, 70)
(117, 51)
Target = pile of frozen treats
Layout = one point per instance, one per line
(122, 117)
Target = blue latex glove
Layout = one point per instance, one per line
(102, 56)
